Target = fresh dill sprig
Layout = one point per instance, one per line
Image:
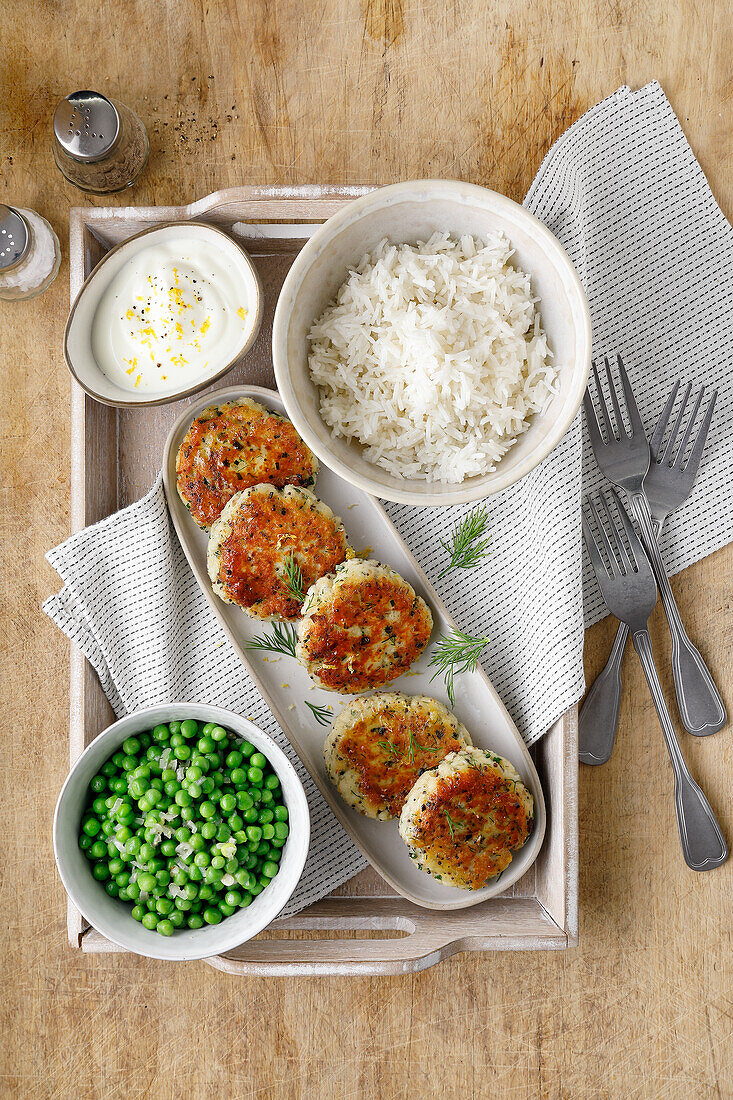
(452, 825)
(391, 748)
(413, 744)
(467, 546)
(281, 639)
(454, 653)
(294, 578)
(322, 715)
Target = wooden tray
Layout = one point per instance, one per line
(363, 927)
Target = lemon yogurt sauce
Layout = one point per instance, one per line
(172, 316)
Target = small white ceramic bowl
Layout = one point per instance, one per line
(407, 213)
(78, 335)
(112, 917)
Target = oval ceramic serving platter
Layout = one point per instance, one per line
(477, 705)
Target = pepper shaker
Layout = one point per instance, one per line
(29, 254)
(99, 145)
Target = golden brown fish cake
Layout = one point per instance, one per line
(260, 534)
(380, 745)
(232, 446)
(463, 819)
(362, 628)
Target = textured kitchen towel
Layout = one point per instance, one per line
(624, 193)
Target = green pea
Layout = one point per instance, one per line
(146, 882)
(233, 898)
(268, 832)
(108, 769)
(238, 777)
(266, 797)
(174, 727)
(150, 921)
(98, 783)
(235, 822)
(208, 830)
(137, 912)
(122, 878)
(98, 849)
(228, 803)
(198, 843)
(247, 748)
(231, 866)
(177, 918)
(272, 782)
(212, 915)
(257, 760)
(202, 859)
(195, 921)
(100, 872)
(165, 927)
(205, 745)
(255, 776)
(188, 813)
(254, 833)
(247, 899)
(281, 813)
(183, 904)
(138, 787)
(183, 798)
(161, 733)
(265, 817)
(112, 888)
(207, 809)
(115, 866)
(281, 830)
(213, 875)
(182, 752)
(251, 815)
(218, 862)
(131, 746)
(91, 826)
(189, 728)
(124, 894)
(223, 833)
(207, 785)
(133, 890)
(214, 762)
(244, 802)
(194, 789)
(218, 733)
(168, 848)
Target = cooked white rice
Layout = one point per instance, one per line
(433, 357)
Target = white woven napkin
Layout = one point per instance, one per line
(624, 193)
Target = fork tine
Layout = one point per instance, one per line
(620, 547)
(696, 453)
(667, 456)
(688, 430)
(592, 421)
(614, 400)
(631, 535)
(602, 404)
(634, 418)
(613, 560)
(595, 555)
(661, 427)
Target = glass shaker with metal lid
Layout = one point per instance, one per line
(29, 254)
(99, 145)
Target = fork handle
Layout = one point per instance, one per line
(598, 717)
(703, 844)
(700, 704)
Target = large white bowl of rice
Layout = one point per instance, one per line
(432, 342)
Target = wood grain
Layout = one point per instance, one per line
(290, 92)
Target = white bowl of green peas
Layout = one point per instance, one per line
(181, 831)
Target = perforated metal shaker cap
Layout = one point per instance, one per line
(14, 237)
(86, 125)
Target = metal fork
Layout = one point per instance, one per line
(627, 583)
(624, 458)
(667, 485)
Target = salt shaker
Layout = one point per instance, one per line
(99, 145)
(29, 254)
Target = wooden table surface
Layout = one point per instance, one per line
(299, 91)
